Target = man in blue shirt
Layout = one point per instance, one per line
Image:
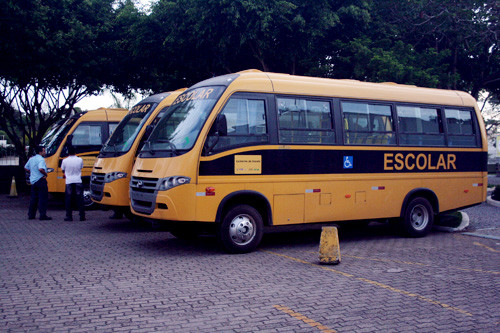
(38, 179)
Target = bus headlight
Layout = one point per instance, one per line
(49, 170)
(112, 176)
(170, 182)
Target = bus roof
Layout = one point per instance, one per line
(257, 81)
(157, 98)
(113, 114)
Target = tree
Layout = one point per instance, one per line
(191, 40)
(53, 53)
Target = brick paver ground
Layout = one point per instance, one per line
(105, 275)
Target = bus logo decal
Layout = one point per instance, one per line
(348, 162)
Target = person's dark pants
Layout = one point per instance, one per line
(74, 190)
(39, 198)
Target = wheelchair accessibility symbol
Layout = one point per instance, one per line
(348, 162)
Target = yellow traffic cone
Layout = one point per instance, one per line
(13, 188)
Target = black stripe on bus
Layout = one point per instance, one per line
(300, 162)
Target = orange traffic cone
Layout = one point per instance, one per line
(13, 188)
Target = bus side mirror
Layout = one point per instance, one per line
(148, 131)
(219, 128)
(65, 151)
(221, 125)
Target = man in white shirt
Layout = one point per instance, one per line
(72, 169)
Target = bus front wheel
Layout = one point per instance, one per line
(87, 199)
(241, 229)
(418, 217)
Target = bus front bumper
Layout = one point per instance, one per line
(176, 204)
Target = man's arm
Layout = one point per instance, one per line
(63, 167)
(42, 167)
(43, 172)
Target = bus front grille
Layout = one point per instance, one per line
(143, 193)
(97, 185)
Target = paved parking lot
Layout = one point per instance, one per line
(107, 275)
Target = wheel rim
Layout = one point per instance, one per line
(242, 229)
(87, 199)
(419, 217)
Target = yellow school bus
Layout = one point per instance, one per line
(87, 132)
(254, 149)
(111, 174)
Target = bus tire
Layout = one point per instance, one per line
(418, 217)
(241, 229)
(87, 199)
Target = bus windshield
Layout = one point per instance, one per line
(127, 130)
(51, 132)
(178, 129)
(58, 137)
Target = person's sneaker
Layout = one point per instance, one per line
(83, 219)
(45, 218)
(68, 219)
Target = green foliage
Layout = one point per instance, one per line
(495, 195)
(53, 50)
(54, 42)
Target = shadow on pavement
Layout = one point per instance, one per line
(126, 226)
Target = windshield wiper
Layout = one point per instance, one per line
(172, 146)
(113, 146)
(149, 147)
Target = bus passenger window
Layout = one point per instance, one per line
(87, 137)
(420, 126)
(460, 128)
(246, 124)
(304, 121)
(112, 127)
(368, 124)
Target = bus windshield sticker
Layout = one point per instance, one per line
(140, 108)
(195, 94)
(247, 164)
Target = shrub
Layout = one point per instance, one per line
(496, 193)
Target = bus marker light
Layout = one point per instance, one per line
(376, 188)
(466, 191)
(316, 190)
(477, 185)
(210, 191)
(347, 196)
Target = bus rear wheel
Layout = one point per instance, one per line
(418, 217)
(241, 229)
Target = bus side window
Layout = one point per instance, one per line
(368, 124)
(87, 137)
(460, 128)
(111, 128)
(246, 124)
(419, 126)
(304, 121)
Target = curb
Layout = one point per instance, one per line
(492, 202)
(464, 224)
